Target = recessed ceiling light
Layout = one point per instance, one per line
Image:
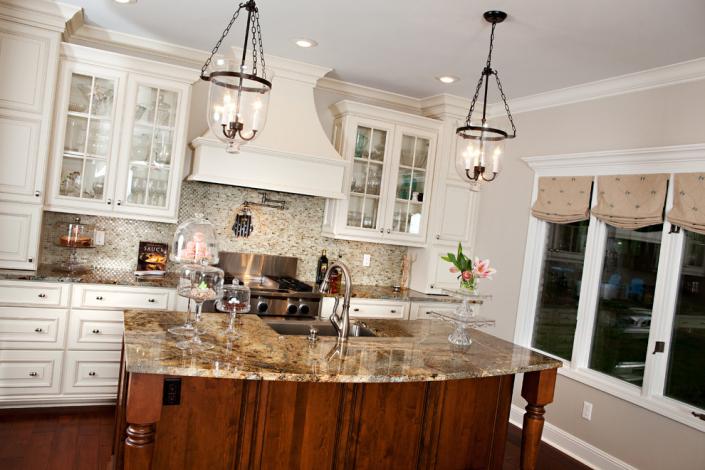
(447, 79)
(125, 1)
(305, 43)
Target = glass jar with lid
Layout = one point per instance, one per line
(195, 241)
(235, 299)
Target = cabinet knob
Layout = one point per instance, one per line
(96, 331)
(356, 310)
(100, 297)
(151, 301)
(33, 374)
(438, 237)
(381, 230)
(42, 296)
(37, 193)
(389, 231)
(30, 260)
(433, 286)
(119, 202)
(393, 311)
(109, 201)
(92, 374)
(38, 330)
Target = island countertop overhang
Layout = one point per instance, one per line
(402, 351)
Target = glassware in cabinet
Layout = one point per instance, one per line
(410, 184)
(367, 174)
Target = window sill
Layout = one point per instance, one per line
(663, 406)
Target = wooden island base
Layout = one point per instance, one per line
(242, 424)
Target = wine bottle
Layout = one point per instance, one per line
(322, 267)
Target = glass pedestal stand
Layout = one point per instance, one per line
(465, 316)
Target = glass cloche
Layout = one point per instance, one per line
(195, 242)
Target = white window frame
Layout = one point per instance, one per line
(671, 160)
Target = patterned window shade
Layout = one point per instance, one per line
(631, 201)
(688, 202)
(563, 200)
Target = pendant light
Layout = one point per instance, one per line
(238, 95)
(479, 158)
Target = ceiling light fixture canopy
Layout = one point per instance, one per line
(239, 93)
(483, 151)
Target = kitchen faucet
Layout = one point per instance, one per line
(341, 321)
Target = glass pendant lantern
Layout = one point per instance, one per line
(480, 151)
(238, 97)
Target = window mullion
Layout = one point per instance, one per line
(665, 296)
(589, 293)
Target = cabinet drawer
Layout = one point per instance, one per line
(29, 293)
(118, 297)
(32, 328)
(29, 372)
(419, 310)
(369, 308)
(91, 372)
(95, 329)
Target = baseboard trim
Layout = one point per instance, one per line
(570, 445)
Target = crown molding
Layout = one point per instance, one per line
(53, 16)
(388, 98)
(444, 106)
(668, 75)
(670, 159)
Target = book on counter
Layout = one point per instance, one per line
(151, 259)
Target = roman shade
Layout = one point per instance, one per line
(688, 201)
(631, 201)
(563, 199)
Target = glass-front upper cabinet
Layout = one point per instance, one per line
(391, 156)
(87, 135)
(367, 174)
(120, 136)
(408, 208)
(152, 141)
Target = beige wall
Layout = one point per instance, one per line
(672, 115)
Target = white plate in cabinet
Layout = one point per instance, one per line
(30, 293)
(121, 297)
(368, 308)
(91, 372)
(32, 328)
(29, 372)
(95, 329)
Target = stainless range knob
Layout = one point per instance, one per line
(291, 309)
(262, 306)
(304, 309)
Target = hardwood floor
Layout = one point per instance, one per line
(81, 438)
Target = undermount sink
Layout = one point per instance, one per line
(325, 328)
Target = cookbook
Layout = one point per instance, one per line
(151, 259)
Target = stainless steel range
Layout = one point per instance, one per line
(271, 279)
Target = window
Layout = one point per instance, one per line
(557, 310)
(624, 308)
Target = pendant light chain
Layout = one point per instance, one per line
(220, 41)
(506, 105)
(261, 48)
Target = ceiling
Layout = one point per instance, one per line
(400, 45)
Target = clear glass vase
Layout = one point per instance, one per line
(199, 283)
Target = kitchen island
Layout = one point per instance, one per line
(405, 398)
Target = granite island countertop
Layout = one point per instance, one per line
(388, 293)
(403, 351)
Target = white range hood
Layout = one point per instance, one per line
(292, 154)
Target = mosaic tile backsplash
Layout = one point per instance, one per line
(295, 231)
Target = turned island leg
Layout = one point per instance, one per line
(537, 389)
(144, 407)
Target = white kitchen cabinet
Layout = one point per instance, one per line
(453, 219)
(29, 372)
(369, 308)
(99, 296)
(20, 226)
(94, 372)
(120, 135)
(420, 310)
(95, 329)
(32, 328)
(390, 180)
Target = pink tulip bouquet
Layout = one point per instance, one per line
(469, 271)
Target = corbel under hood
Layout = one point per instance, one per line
(292, 154)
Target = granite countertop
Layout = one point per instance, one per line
(403, 351)
(388, 293)
(52, 273)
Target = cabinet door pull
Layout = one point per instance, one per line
(92, 374)
(438, 237)
(37, 193)
(109, 201)
(356, 310)
(42, 296)
(96, 331)
(433, 286)
(119, 202)
(33, 374)
(100, 297)
(30, 260)
(381, 230)
(151, 301)
(389, 231)
(698, 415)
(393, 311)
(38, 330)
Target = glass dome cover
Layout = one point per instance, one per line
(195, 242)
